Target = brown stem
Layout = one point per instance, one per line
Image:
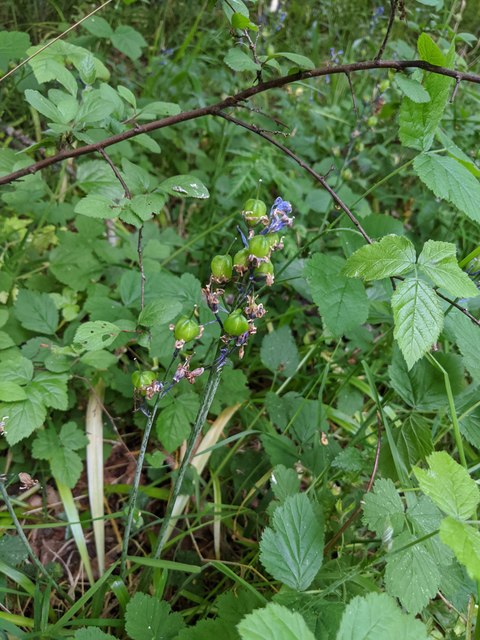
(354, 99)
(140, 264)
(117, 173)
(393, 10)
(232, 101)
(358, 509)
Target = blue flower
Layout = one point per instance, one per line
(278, 218)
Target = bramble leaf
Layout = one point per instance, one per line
(438, 261)
(274, 621)
(279, 352)
(392, 256)
(93, 336)
(148, 618)
(383, 508)
(36, 311)
(465, 542)
(418, 318)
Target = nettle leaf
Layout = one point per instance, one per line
(93, 336)
(129, 41)
(279, 352)
(412, 89)
(13, 45)
(439, 262)
(411, 575)
(383, 508)
(23, 417)
(419, 121)
(449, 485)
(377, 616)
(292, 551)
(185, 187)
(274, 621)
(53, 389)
(148, 618)
(96, 205)
(159, 312)
(465, 542)
(240, 61)
(335, 294)
(36, 311)
(418, 318)
(174, 421)
(451, 181)
(392, 256)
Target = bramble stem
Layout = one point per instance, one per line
(25, 541)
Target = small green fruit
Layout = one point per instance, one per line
(236, 324)
(265, 270)
(221, 266)
(186, 329)
(253, 211)
(259, 246)
(141, 379)
(372, 121)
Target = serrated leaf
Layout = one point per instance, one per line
(429, 51)
(418, 318)
(439, 262)
(23, 417)
(36, 311)
(285, 482)
(392, 256)
(185, 186)
(449, 485)
(174, 421)
(414, 440)
(18, 370)
(240, 61)
(411, 575)
(96, 205)
(467, 336)
(465, 542)
(129, 41)
(13, 45)
(335, 294)
(279, 352)
(412, 89)
(383, 508)
(92, 633)
(72, 437)
(451, 181)
(148, 618)
(377, 616)
(274, 621)
(93, 336)
(147, 204)
(66, 466)
(292, 551)
(159, 312)
(12, 550)
(44, 444)
(11, 392)
(53, 389)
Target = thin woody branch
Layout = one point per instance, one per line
(232, 101)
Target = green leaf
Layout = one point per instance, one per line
(451, 181)
(302, 62)
(411, 575)
(292, 551)
(93, 336)
(159, 312)
(97, 206)
(92, 633)
(148, 204)
(18, 370)
(100, 360)
(23, 417)
(414, 440)
(43, 105)
(97, 26)
(66, 466)
(53, 389)
(72, 437)
(155, 110)
(94, 108)
(439, 262)
(175, 420)
(13, 45)
(148, 618)
(392, 256)
(5, 341)
(274, 621)
(239, 21)
(11, 392)
(240, 61)
(418, 318)
(129, 41)
(285, 482)
(412, 89)
(383, 508)
(465, 542)
(185, 187)
(36, 311)
(467, 336)
(44, 444)
(377, 617)
(336, 295)
(279, 352)
(419, 121)
(449, 485)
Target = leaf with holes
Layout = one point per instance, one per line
(93, 336)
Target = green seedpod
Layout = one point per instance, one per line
(259, 246)
(265, 270)
(222, 266)
(236, 324)
(240, 259)
(186, 329)
(253, 211)
(141, 379)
